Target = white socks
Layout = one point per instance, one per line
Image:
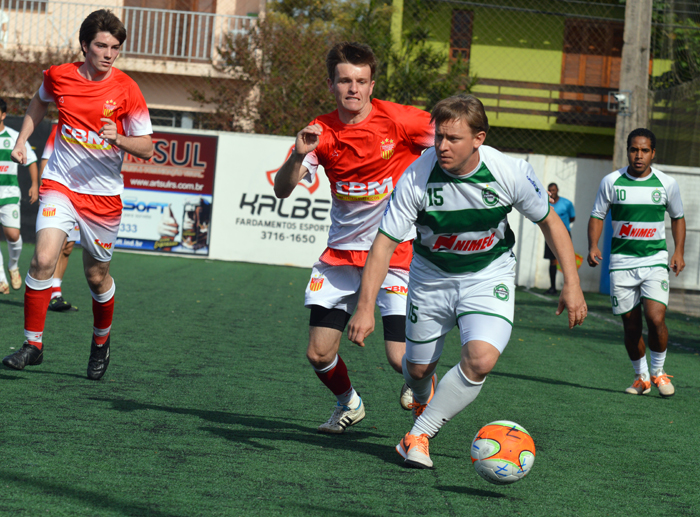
(421, 387)
(657, 361)
(641, 367)
(657, 364)
(14, 251)
(453, 394)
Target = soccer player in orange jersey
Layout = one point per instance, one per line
(364, 147)
(57, 303)
(102, 115)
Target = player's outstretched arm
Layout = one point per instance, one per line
(560, 243)
(35, 114)
(595, 229)
(290, 174)
(678, 232)
(375, 270)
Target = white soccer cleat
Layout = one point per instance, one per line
(660, 380)
(15, 279)
(4, 288)
(406, 397)
(343, 417)
(640, 386)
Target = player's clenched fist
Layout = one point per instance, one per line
(19, 155)
(307, 139)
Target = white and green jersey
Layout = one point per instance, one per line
(637, 207)
(462, 221)
(9, 187)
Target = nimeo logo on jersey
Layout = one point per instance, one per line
(108, 108)
(358, 191)
(450, 243)
(387, 148)
(85, 138)
(628, 230)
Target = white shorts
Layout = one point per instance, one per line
(629, 286)
(98, 218)
(482, 303)
(337, 287)
(9, 215)
(74, 234)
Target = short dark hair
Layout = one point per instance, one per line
(465, 107)
(3, 106)
(552, 185)
(357, 54)
(644, 132)
(102, 20)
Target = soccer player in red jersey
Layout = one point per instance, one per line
(57, 303)
(102, 115)
(364, 147)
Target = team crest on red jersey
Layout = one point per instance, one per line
(109, 108)
(387, 148)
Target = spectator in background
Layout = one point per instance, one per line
(565, 210)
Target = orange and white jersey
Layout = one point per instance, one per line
(48, 148)
(363, 163)
(83, 161)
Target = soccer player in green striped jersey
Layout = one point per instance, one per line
(10, 199)
(637, 197)
(458, 195)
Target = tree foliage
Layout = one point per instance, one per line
(274, 79)
(21, 74)
(676, 37)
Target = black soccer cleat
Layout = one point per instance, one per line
(28, 355)
(99, 360)
(58, 304)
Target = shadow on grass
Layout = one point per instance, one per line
(5, 301)
(95, 498)
(10, 377)
(476, 492)
(36, 371)
(269, 429)
(556, 382)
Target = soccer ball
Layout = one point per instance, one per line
(503, 452)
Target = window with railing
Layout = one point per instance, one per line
(461, 34)
(38, 6)
(592, 59)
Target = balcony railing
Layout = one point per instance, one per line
(152, 33)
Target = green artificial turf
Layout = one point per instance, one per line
(209, 407)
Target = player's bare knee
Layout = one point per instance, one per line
(42, 264)
(318, 360)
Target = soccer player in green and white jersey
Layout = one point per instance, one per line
(458, 195)
(9, 200)
(638, 197)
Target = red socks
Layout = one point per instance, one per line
(336, 378)
(36, 304)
